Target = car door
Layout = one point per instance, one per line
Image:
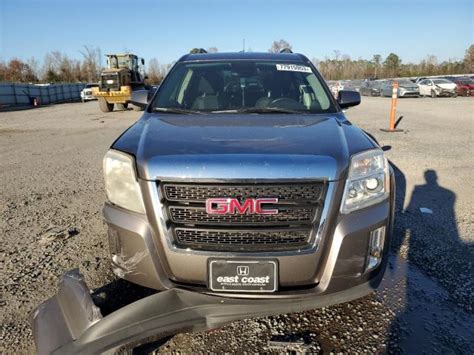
(387, 88)
(428, 87)
(424, 88)
(382, 89)
(365, 89)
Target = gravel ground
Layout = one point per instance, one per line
(52, 192)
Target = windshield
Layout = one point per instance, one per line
(406, 82)
(442, 81)
(243, 85)
(124, 61)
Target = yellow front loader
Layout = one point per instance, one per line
(123, 75)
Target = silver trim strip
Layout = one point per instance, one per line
(225, 167)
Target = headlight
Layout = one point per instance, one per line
(121, 183)
(367, 182)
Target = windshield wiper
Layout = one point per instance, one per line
(182, 111)
(261, 110)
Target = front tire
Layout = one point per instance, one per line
(105, 106)
(433, 94)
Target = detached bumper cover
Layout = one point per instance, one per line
(69, 322)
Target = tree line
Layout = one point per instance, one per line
(57, 67)
(343, 67)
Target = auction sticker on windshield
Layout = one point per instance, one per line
(243, 275)
(293, 67)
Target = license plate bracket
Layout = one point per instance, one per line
(255, 276)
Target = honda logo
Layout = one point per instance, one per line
(242, 270)
(234, 206)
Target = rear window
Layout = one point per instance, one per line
(229, 86)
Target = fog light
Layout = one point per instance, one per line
(375, 252)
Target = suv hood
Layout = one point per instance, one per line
(235, 146)
(409, 87)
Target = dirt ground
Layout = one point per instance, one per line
(51, 194)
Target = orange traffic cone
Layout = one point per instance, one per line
(393, 111)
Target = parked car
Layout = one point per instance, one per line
(464, 86)
(353, 85)
(406, 88)
(335, 87)
(371, 88)
(417, 80)
(243, 180)
(437, 87)
(86, 93)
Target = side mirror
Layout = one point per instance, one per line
(348, 98)
(140, 98)
(143, 61)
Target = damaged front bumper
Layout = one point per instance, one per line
(445, 92)
(70, 322)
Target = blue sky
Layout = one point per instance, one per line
(168, 29)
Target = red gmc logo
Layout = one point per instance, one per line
(233, 206)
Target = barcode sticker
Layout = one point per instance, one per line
(293, 67)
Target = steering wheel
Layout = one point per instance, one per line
(233, 86)
(285, 102)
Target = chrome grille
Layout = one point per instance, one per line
(299, 206)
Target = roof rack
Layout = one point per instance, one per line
(286, 50)
(198, 51)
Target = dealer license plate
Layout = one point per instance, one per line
(243, 275)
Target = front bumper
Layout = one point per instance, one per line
(464, 91)
(143, 253)
(409, 93)
(87, 96)
(70, 323)
(445, 92)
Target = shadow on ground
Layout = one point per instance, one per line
(436, 314)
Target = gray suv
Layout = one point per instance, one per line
(244, 179)
(242, 191)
